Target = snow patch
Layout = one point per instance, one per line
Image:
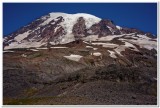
(95, 48)
(97, 54)
(14, 45)
(98, 43)
(89, 47)
(110, 29)
(10, 40)
(127, 44)
(89, 31)
(109, 38)
(106, 45)
(110, 45)
(56, 28)
(86, 42)
(144, 37)
(112, 54)
(120, 49)
(7, 51)
(67, 38)
(53, 23)
(34, 50)
(59, 47)
(74, 57)
(118, 27)
(149, 47)
(24, 55)
(91, 38)
(20, 37)
(41, 48)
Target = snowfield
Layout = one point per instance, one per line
(143, 41)
(71, 19)
(105, 38)
(14, 45)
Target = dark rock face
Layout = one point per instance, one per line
(101, 28)
(150, 35)
(104, 28)
(79, 29)
(131, 30)
(48, 32)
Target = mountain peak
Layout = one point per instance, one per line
(85, 15)
(61, 28)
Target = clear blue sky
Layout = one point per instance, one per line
(135, 15)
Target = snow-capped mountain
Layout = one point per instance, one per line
(61, 28)
(79, 59)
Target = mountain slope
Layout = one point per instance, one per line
(78, 73)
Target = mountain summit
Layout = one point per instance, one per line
(61, 28)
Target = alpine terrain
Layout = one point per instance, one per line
(79, 59)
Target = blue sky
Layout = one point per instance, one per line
(142, 16)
